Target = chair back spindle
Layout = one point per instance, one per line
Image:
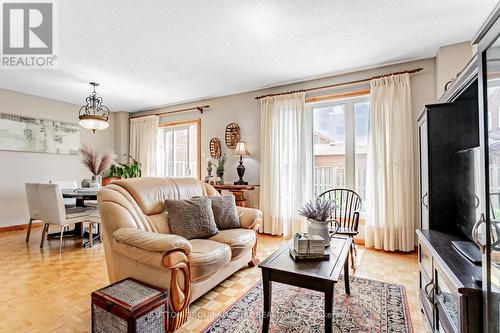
(348, 204)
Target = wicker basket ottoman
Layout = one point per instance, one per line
(129, 306)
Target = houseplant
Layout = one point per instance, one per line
(131, 169)
(318, 213)
(221, 162)
(96, 163)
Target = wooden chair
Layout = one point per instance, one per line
(348, 204)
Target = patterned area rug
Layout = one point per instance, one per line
(372, 306)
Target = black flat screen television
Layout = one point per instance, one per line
(468, 200)
(467, 190)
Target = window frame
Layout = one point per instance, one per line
(489, 121)
(498, 117)
(187, 123)
(350, 133)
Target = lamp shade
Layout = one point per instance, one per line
(93, 122)
(241, 149)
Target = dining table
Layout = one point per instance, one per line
(81, 195)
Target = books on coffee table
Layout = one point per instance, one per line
(308, 244)
(311, 256)
(308, 247)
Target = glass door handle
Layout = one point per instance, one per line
(475, 234)
(423, 200)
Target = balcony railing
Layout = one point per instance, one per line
(177, 169)
(328, 177)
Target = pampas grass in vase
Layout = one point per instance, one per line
(96, 163)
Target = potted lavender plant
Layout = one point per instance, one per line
(318, 213)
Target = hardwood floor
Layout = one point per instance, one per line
(42, 291)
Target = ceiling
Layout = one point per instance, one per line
(153, 53)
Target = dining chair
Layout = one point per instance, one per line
(67, 184)
(34, 206)
(54, 212)
(346, 213)
(94, 221)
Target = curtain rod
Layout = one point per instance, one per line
(199, 108)
(411, 71)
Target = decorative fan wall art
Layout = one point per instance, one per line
(215, 148)
(232, 135)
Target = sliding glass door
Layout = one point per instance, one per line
(340, 144)
(178, 152)
(329, 146)
(490, 101)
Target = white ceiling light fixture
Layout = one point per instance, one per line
(94, 115)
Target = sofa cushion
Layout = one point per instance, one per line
(191, 218)
(150, 193)
(239, 240)
(151, 241)
(207, 257)
(225, 214)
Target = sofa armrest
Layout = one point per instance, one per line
(250, 218)
(152, 241)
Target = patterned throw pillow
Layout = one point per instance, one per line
(191, 218)
(224, 208)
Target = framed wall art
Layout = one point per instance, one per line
(26, 134)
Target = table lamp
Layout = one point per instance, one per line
(241, 150)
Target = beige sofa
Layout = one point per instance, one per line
(138, 243)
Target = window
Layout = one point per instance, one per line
(498, 117)
(178, 152)
(340, 144)
(329, 137)
(361, 127)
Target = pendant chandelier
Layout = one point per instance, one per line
(94, 115)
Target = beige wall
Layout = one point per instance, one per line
(450, 60)
(245, 110)
(17, 168)
(122, 129)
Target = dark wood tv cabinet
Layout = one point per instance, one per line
(449, 298)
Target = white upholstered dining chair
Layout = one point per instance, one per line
(54, 212)
(67, 184)
(94, 221)
(34, 206)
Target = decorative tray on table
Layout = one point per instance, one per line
(310, 256)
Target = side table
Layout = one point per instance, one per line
(238, 191)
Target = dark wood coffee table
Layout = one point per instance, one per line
(315, 275)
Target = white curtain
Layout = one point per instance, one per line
(143, 141)
(391, 190)
(286, 162)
